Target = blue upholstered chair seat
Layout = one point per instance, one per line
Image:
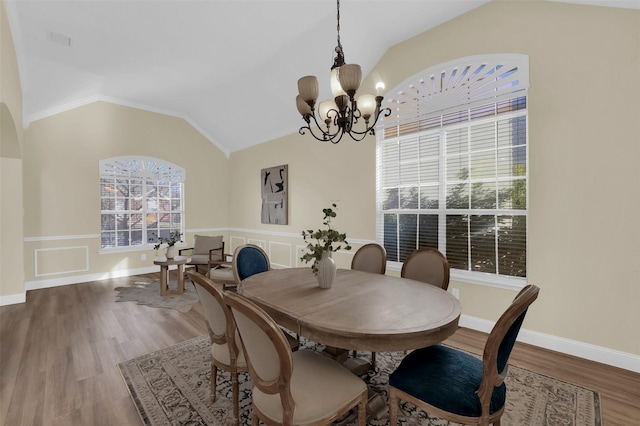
(445, 378)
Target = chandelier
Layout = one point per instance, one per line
(339, 116)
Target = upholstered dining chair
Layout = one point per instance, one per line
(226, 351)
(248, 260)
(455, 385)
(427, 265)
(292, 388)
(206, 253)
(370, 257)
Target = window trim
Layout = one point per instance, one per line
(144, 169)
(412, 94)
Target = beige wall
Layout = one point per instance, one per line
(584, 150)
(61, 184)
(11, 218)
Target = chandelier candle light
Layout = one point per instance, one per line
(339, 116)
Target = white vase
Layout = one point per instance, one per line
(326, 270)
(171, 252)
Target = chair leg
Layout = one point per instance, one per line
(255, 421)
(235, 398)
(373, 360)
(362, 411)
(393, 407)
(214, 378)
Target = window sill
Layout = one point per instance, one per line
(135, 249)
(478, 278)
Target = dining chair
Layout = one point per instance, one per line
(207, 252)
(455, 385)
(427, 265)
(372, 258)
(248, 260)
(292, 388)
(226, 351)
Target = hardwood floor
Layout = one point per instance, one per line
(59, 350)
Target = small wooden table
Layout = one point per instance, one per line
(164, 263)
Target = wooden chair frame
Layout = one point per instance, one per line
(211, 262)
(228, 338)
(364, 249)
(416, 255)
(237, 251)
(282, 384)
(491, 377)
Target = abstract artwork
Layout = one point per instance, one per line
(274, 194)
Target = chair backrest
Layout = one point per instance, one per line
(427, 265)
(248, 260)
(222, 328)
(266, 349)
(203, 243)
(370, 257)
(501, 341)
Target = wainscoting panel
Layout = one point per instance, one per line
(260, 243)
(235, 242)
(280, 254)
(61, 260)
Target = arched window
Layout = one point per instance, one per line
(141, 199)
(452, 167)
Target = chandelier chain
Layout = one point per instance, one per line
(338, 25)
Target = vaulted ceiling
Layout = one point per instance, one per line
(229, 67)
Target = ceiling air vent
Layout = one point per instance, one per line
(58, 38)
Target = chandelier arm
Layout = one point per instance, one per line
(371, 128)
(326, 136)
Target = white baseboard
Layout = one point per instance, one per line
(77, 279)
(595, 353)
(13, 299)
(567, 346)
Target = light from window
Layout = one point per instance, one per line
(457, 181)
(141, 200)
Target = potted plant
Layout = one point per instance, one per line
(326, 242)
(174, 237)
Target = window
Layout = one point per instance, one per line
(452, 167)
(141, 199)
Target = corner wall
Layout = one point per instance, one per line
(584, 241)
(62, 192)
(12, 289)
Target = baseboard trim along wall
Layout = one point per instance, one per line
(78, 279)
(13, 299)
(570, 347)
(595, 353)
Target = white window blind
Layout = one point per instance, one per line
(141, 199)
(455, 178)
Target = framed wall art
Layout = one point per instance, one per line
(275, 188)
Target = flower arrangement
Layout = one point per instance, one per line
(174, 237)
(326, 240)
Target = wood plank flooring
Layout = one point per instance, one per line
(59, 350)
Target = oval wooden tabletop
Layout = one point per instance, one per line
(361, 310)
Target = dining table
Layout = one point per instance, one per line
(360, 311)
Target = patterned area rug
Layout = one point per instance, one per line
(145, 293)
(171, 387)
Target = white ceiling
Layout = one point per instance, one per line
(229, 67)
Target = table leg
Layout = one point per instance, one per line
(164, 280)
(180, 279)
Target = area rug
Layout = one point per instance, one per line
(145, 293)
(171, 387)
